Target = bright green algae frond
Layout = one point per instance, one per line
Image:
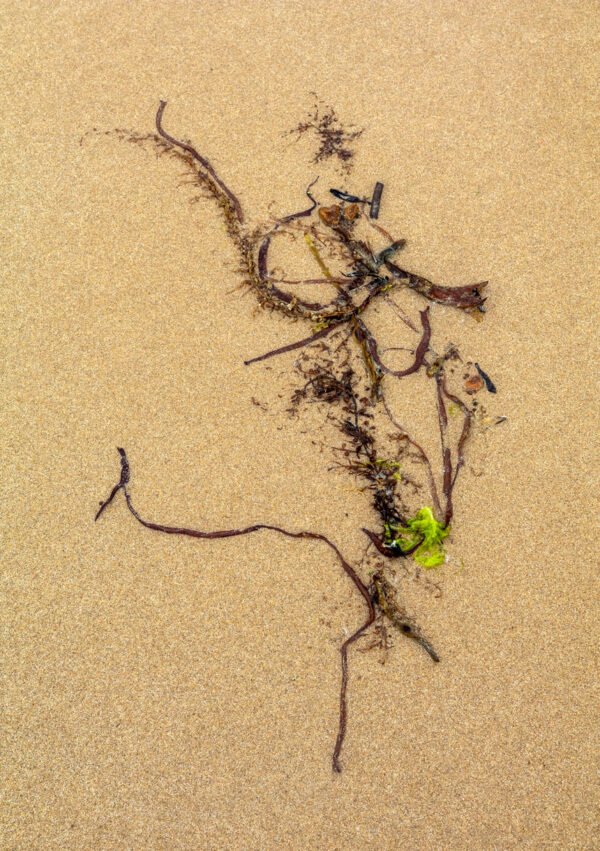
(425, 528)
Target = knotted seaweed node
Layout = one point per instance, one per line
(343, 367)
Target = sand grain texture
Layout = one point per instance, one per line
(171, 694)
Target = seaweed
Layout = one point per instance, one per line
(490, 386)
(376, 200)
(344, 370)
(333, 139)
(247, 530)
(423, 537)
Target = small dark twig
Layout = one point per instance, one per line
(376, 200)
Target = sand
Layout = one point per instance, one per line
(162, 693)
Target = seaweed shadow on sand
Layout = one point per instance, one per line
(344, 368)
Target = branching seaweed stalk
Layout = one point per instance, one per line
(367, 276)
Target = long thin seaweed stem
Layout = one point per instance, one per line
(466, 429)
(206, 165)
(343, 722)
(291, 346)
(246, 530)
(446, 453)
(404, 434)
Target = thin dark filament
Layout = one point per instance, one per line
(466, 429)
(121, 484)
(422, 454)
(256, 527)
(447, 472)
(343, 722)
(206, 165)
(291, 346)
(303, 213)
(448, 482)
(400, 313)
(291, 217)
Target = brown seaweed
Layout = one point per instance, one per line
(333, 139)
(332, 376)
(376, 200)
(247, 530)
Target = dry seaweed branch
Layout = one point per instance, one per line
(349, 379)
(246, 530)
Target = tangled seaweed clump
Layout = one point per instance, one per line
(344, 369)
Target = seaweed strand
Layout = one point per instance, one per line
(343, 721)
(206, 165)
(291, 346)
(246, 530)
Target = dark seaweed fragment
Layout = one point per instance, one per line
(491, 387)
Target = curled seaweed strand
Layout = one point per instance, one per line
(365, 337)
(206, 165)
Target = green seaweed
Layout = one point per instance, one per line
(423, 536)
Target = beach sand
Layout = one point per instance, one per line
(165, 693)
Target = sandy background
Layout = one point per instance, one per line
(162, 693)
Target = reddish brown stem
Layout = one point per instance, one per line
(291, 346)
(206, 165)
(446, 454)
(466, 429)
(465, 298)
(246, 530)
(343, 721)
(303, 213)
(447, 465)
